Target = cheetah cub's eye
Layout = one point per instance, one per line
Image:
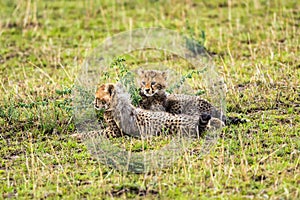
(143, 83)
(153, 83)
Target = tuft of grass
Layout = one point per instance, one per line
(127, 79)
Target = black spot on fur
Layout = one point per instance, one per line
(110, 89)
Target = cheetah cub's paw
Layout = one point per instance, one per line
(215, 123)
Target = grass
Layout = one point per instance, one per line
(256, 49)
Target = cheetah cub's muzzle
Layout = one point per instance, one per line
(150, 89)
(100, 105)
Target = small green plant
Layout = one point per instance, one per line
(120, 66)
(126, 78)
(182, 80)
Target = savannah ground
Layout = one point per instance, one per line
(256, 49)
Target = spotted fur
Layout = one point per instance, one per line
(152, 89)
(177, 103)
(102, 101)
(139, 122)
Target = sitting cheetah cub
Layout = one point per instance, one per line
(110, 127)
(152, 89)
(154, 97)
(138, 122)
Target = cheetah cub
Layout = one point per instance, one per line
(139, 122)
(152, 85)
(110, 128)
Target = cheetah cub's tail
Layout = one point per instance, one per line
(235, 121)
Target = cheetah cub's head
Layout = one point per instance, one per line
(103, 96)
(152, 81)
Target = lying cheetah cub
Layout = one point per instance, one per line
(138, 122)
(154, 97)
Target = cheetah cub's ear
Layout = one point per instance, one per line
(165, 74)
(109, 87)
(140, 72)
(104, 91)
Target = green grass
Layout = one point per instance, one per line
(256, 46)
